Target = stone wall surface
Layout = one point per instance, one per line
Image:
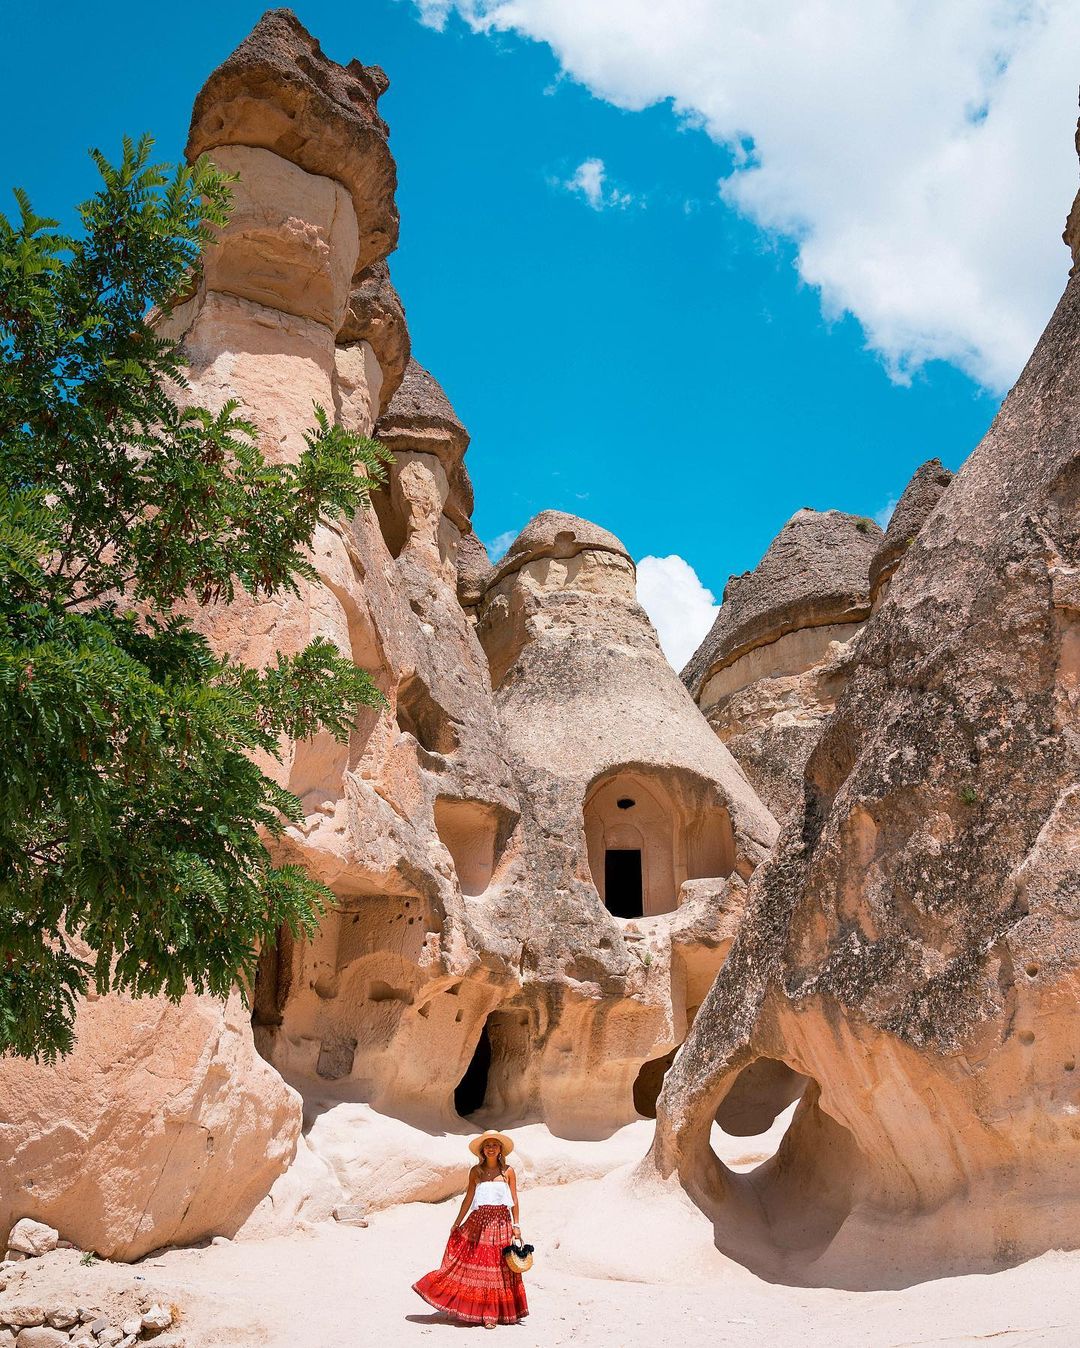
(912, 948)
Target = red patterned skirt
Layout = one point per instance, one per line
(472, 1283)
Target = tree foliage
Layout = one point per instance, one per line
(132, 815)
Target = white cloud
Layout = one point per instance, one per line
(681, 608)
(920, 154)
(498, 545)
(590, 180)
(885, 514)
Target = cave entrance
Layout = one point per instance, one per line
(622, 881)
(471, 1090)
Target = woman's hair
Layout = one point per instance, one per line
(479, 1167)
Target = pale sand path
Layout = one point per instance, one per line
(331, 1286)
(351, 1287)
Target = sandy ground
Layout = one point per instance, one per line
(335, 1285)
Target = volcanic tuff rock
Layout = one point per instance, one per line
(770, 670)
(162, 1125)
(278, 92)
(420, 420)
(469, 970)
(913, 509)
(913, 947)
(609, 754)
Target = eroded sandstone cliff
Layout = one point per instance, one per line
(912, 948)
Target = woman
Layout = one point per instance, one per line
(473, 1283)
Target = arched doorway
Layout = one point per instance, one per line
(647, 831)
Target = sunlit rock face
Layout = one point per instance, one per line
(912, 511)
(533, 886)
(780, 651)
(912, 948)
(624, 884)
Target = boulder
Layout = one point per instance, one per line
(30, 1237)
(161, 1125)
(42, 1337)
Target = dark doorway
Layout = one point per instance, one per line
(622, 881)
(472, 1088)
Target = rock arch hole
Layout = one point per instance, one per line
(761, 1092)
(790, 1188)
(648, 1083)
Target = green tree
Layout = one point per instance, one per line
(131, 812)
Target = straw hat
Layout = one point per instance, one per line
(478, 1142)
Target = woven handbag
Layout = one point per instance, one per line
(519, 1258)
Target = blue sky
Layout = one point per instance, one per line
(670, 362)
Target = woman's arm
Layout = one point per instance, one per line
(469, 1191)
(511, 1179)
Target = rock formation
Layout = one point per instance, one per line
(161, 1127)
(778, 655)
(637, 829)
(469, 970)
(912, 947)
(913, 509)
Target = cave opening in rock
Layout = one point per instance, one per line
(622, 881)
(471, 1090)
(648, 831)
(786, 1167)
(419, 715)
(754, 1118)
(474, 832)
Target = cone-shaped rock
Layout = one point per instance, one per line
(913, 509)
(778, 655)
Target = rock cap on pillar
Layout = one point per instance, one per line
(553, 533)
(420, 419)
(375, 315)
(814, 573)
(279, 92)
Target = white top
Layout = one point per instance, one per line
(491, 1193)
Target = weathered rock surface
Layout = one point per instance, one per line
(469, 970)
(913, 946)
(374, 314)
(474, 570)
(30, 1237)
(609, 754)
(278, 92)
(913, 509)
(162, 1124)
(420, 420)
(778, 655)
